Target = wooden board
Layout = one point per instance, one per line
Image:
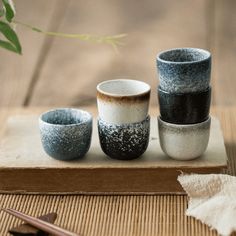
(88, 215)
(21, 155)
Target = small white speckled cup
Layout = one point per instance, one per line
(123, 101)
(184, 142)
(66, 133)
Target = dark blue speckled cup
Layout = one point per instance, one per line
(124, 141)
(66, 133)
(184, 70)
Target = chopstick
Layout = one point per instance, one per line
(40, 224)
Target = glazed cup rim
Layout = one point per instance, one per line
(146, 91)
(206, 58)
(90, 118)
(124, 124)
(184, 94)
(173, 125)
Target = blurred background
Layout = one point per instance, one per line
(64, 72)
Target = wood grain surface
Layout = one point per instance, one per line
(224, 52)
(22, 155)
(17, 72)
(60, 72)
(151, 26)
(64, 72)
(119, 215)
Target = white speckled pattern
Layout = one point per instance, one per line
(184, 70)
(66, 133)
(184, 142)
(124, 142)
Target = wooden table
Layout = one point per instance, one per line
(56, 71)
(62, 72)
(118, 215)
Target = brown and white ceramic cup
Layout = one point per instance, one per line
(123, 101)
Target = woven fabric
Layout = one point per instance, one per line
(212, 200)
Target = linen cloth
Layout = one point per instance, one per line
(212, 200)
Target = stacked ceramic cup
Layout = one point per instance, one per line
(123, 122)
(184, 97)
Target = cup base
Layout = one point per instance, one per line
(124, 156)
(68, 155)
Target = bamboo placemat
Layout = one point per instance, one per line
(121, 215)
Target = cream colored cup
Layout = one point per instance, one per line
(184, 142)
(123, 101)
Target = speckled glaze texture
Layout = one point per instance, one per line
(184, 108)
(184, 142)
(66, 133)
(184, 70)
(126, 141)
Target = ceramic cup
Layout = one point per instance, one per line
(123, 101)
(184, 142)
(184, 70)
(125, 141)
(66, 133)
(184, 108)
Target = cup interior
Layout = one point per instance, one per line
(184, 55)
(123, 87)
(66, 116)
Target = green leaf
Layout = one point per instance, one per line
(10, 9)
(8, 46)
(10, 34)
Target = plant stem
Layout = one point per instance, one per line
(113, 40)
